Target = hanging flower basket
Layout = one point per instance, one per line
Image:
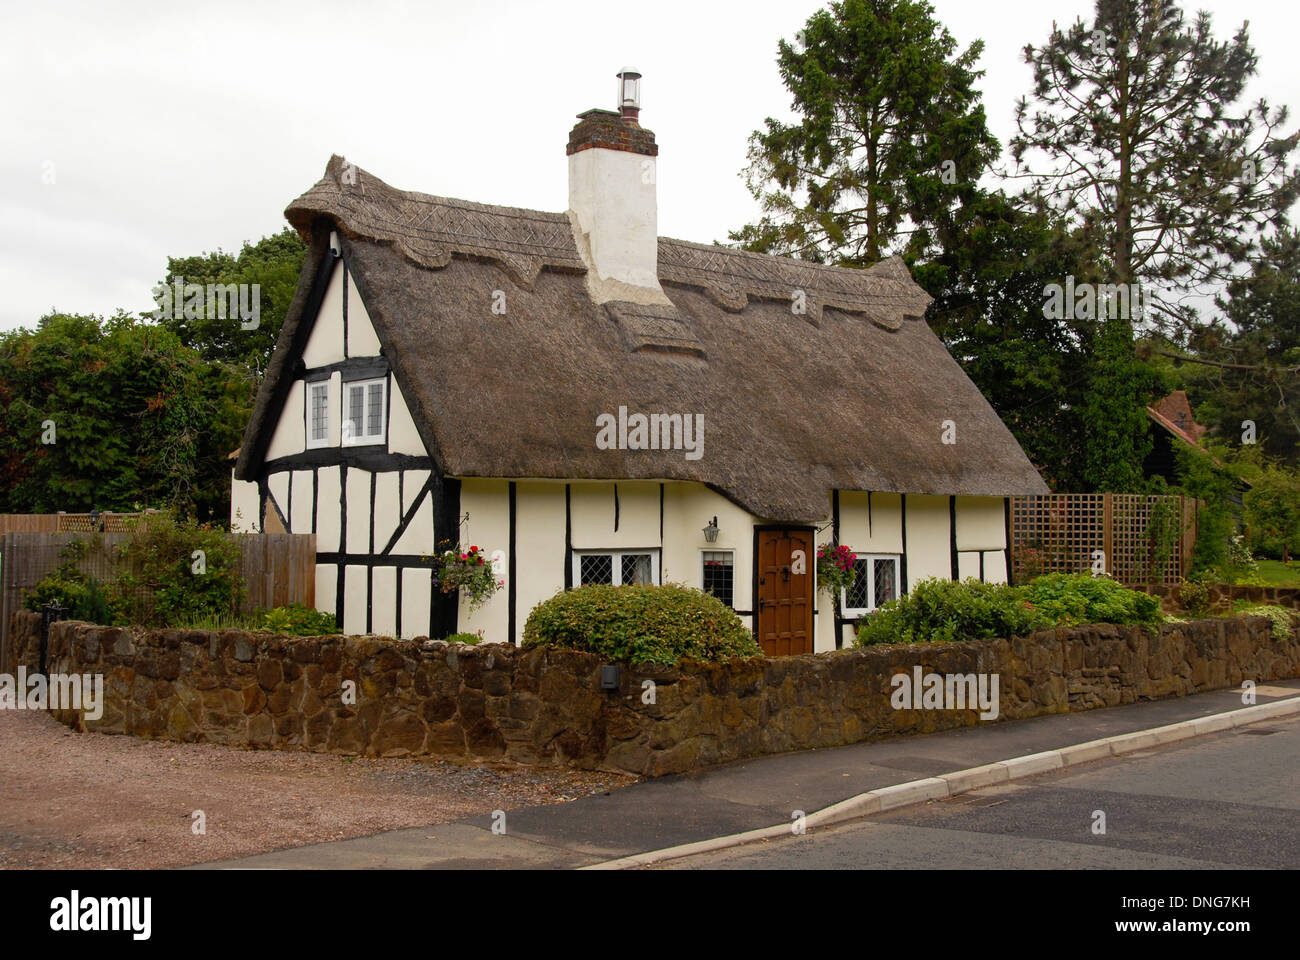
(834, 568)
(468, 570)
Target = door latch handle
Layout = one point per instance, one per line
(785, 573)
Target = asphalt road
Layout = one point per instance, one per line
(1230, 800)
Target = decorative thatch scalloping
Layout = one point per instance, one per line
(428, 230)
(655, 328)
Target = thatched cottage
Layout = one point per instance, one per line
(588, 401)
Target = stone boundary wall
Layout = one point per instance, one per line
(495, 701)
(1223, 595)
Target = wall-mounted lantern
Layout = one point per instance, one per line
(711, 531)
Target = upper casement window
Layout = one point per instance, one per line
(318, 414)
(364, 412)
(875, 582)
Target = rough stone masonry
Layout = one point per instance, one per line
(494, 701)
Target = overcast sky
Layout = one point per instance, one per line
(174, 129)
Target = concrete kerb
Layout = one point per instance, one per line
(972, 778)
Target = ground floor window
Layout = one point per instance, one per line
(719, 576)
(875, 582)
(615, 567)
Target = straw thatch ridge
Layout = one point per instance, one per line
(793, 405)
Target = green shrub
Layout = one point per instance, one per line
(1281, 618)
(1194, 596)
(161, 582)
(945, 610)
(465, 638)
(640, 624)
(83, 596)
(299, 621)
(1066, 599)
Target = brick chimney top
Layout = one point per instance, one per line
(611, 130)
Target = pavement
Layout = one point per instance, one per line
(734, 798)
(1225, 801)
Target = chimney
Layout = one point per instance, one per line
(612, 201)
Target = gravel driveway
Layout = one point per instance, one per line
(88, 800)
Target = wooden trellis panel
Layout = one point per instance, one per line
(1067, 532)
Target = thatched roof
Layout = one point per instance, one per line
(852, 394)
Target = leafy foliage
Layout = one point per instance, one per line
(1281, 619)
(156, 583)
(469, 570)
(297, 620)
(66, 585)
(890, 135)
(273, 263)
(942, 611)
(462, 637)
(1273, 513)
(1145, 148)
(834, 568)
(1067, 599)
(640, 624)
(945, 610)
(138, 420)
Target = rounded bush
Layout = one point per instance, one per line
(640, 624)
(943, 611)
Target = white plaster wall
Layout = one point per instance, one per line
(995, 566)
(412, 483)
(387, 507)
(290, 436)
(354, 600)
(593, 515)
(613, 209)
(929, 550)
(968, 562)
(358, 493)
(244, 506)
(326, 586)
(488, 504)
(416, 595)
(383, 613)
(278, 485)
(402, 435)
(688, 508)
(981, 523)
(325, 343)
(418, 538)
(882, 532)
(300, 522)
(328, 518)
(362, 339)
(539, 538)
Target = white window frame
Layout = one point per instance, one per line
(733, 572)
(312, 387)
(366, 439)
(848, 611)
(616, 566)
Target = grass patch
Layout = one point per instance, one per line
(1275, 573)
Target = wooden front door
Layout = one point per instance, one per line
(785, 559)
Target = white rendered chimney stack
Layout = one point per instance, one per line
(613, 206)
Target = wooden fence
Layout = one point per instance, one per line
(66, 522)
(1141, 540)
(277, 569)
